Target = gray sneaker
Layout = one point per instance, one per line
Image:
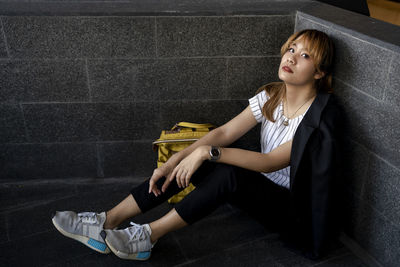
(132, 243)
(84, 227)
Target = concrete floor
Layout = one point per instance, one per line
(228, 237)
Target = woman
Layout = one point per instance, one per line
(290, 182)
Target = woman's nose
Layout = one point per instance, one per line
(290, 60)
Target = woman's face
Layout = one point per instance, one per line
(297, 67)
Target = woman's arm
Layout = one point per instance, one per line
(277, 159)
(221, 136)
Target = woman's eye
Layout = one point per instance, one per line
(291, 50)
(305, 55)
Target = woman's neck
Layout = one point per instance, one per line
(295, 96)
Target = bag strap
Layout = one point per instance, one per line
(193, 125)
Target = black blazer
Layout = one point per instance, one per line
(315, 178)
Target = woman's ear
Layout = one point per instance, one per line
(318, 75)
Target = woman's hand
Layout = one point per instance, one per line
(164, 171)
(185, 169)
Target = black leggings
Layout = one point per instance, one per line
(218, 183)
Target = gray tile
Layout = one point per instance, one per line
(259, 252)
(3, 44)
(53, 248)
(91, 121)
(355, 160)
(352, 57)
(60, 122)
(47, 161)
(32, 193)
(216, 112)
(3, 229)
(103, 199)
(378, 236)
(74, 36)
(128, 158)
(357, 25)
(11, 124)
(246, 75)
(373, 124)
(127, 121)
(229, 229)
(151, 8)
(43, 80)
(221, 36)
(348, 260)
(123, 80)
(392, 93)
(382, 188)
(150, 80)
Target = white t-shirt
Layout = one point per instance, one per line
(274, 134)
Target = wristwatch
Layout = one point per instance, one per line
(215, 153)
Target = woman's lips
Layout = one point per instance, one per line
(287, 69)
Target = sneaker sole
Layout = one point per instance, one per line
(141, 256)
(89, 242)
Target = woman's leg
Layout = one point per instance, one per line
(168, 223)
(141, 201)
(124, 210)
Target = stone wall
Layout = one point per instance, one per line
(85, 96)
(85, 89)
(367, 82)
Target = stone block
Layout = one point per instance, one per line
(157, 80)
(54, 248)
(392, 91)
(32, 193)
(359, 26)
(355, 159)
(11, 124)
(128, 158)
(382, 188)
(245, 75)
(47, 161)
(91, 121)
(352, 57)
(126, 121)
(75, 36)
(234, 229)
(221, 36)
(43, 81)
(3, 229)
(378, 236)
(3, 44)
(372, 123)
(60, 122)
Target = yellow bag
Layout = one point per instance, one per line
(182, 135)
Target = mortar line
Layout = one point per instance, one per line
(140, 58)
(358, 90)
(88, 80)
(155, 36)
(385, 88)
(333, 258)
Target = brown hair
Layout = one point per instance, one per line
(321, 49)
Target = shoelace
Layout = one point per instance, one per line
(135, 232)
(88, 217)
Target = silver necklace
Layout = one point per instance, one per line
(286, 121)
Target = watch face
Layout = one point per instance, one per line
(215, 152)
